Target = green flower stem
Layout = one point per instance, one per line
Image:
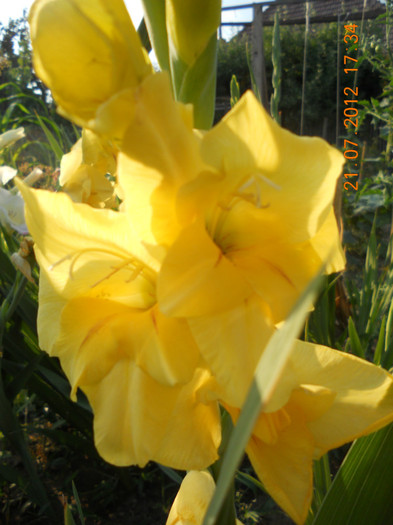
(227, 515)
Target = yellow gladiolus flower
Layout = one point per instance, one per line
(266, 225)
(247, 203)
(325, 398)
(83, 171)
(190, 26)
(151, 395)
(192, 500)
(85, 52)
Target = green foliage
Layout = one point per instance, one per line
(235, 91)
(366, 476)
(16, 63)
(232, 60)
(26, 101)
(321, 74)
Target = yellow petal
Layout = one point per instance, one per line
(197, 279)
(296, 175)
(231, 343)
(50, 305)
(83, 171)
(83, 251)
(326, 243)
(63, 230)
(163, 347)
(137, 420)
(85, 52)
(150, 182)
(190, 26)
(192, 500)
(285, 468)
(277, 268)
(364, 394)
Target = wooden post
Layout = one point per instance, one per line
(258, 57)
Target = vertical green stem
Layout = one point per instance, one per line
(306, 32)
(227, 515)
(276, 79)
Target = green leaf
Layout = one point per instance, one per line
(78, 504)
(68, 519)
(266, 377)
(196, 84)
(172, 474)
(13, 432)
(356, 345)
(249, 481)
(235, 90)
(380, 343)
(54, 143)
(144, 35)
(361, 492)
(156, 27)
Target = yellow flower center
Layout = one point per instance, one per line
(249, 191)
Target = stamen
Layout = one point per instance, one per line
(53, 266)
(268, 181)
(109, 275)
(136, 267)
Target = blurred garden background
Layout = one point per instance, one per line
(49, 468)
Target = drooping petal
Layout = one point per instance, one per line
(302, 171)
(85, 52)
(231, 343)
(364, 394)
(285, 467)
(197, 279)
(138, 420)
(163, 347)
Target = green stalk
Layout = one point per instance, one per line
(227, 515)
(277, 72)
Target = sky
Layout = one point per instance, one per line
(14, 9)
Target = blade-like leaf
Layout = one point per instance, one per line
(156, 26)
(361, 492)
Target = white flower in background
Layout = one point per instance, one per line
(12, 214)
(12, 211)
(6, 174)
(11, 136)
